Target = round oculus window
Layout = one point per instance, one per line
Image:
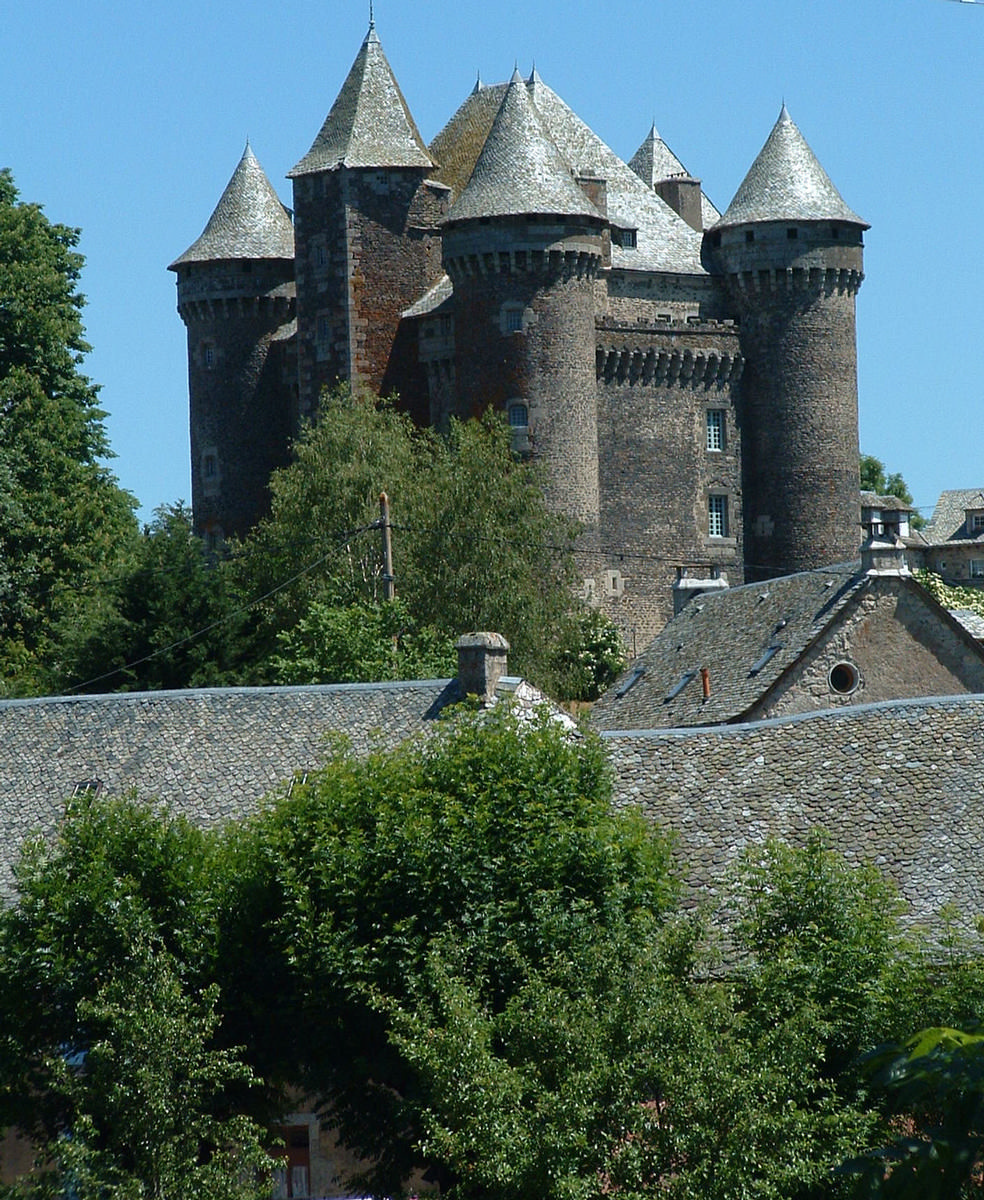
(844, 678)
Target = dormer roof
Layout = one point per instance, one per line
(249, 220)
(369, 124)
(519, 169)
(654, 161)
(787, 183)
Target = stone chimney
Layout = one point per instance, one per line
(481, 663)
(682, 194)
(883, 555)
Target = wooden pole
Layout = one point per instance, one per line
(389, 580)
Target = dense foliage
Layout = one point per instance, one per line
(484, 973)
(65, 525)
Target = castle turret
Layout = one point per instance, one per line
(791, 253)
(236, 297)
(367, 224)
(523, 246)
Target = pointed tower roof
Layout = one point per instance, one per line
(520, 170)
(654, 160)
(369, 124)
(787, 183)
(249, 220)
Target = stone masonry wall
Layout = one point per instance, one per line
(897, 644)
(895, 784)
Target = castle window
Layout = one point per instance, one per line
(210, 466)
(844, 678)
(292, 1180)
(749, 235)
(792, 233)
(519, 416)
(511, 318)
(246, 266)
(717, 516)
(977, 523)
(321, 256)
(977, 568)
(324, 328)
(208, 356)
(715, 429)
(835, 231)
(626, 238)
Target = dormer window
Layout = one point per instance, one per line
(974, 521)
(626, 238)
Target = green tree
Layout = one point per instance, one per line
(475, 546)
(170, 618)
(470, 942)
(64, 522)
(874, 479)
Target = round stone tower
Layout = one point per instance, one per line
(791, 253)
(523, 247)
(236, 297)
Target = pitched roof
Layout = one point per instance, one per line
(519, 169)
(655, 161)
(665, 241)
(949, 520)
(731, 633)
(249, 220)
(369, 124)
(787, 183)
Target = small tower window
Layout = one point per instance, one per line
(749, 235)
(208, 356)
(324, 329)
(519, 417)
(511, 318)
(210, 468)
(321, 256)
(717, 516)
(715, 429)
(792, 233)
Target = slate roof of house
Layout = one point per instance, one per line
(655, 161)
(434, 298)
(519, 169)
(949, 520)
(249, 220)
(370, 124)
(665, 241)
(731, 633)
(886, 503)
(787, 183)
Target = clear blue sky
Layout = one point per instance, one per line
(128, 119)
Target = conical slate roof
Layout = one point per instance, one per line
(520, 170)
(787, 183)
(655, 161)
(369, 124)
(249, 220)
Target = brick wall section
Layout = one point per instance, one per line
(895, 784)
(900, 645)
(240, 398)
(796, 300)
(368, 246)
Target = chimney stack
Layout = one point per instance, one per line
(481, 663)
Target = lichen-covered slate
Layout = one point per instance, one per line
(369, 124)
(210, 754)
(520, 170)
(249, 221)
(896, 784)
(787, 183)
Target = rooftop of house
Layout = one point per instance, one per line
(745, 637)
(949, 520)
(885, 503)
(248, 222)
(655, 162)
(787, 183)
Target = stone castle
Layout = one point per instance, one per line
(687, 379)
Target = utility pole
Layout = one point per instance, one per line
(389, 580)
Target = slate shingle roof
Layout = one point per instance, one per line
(731, 633)
(249, 220)
(787, 183)
(654, 161)
(665, 241)
(949, 520)
(369, 124)
(519, 169)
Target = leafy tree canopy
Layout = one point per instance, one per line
(64, 522)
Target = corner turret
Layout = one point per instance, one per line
(236, 297)
(790, 250)
(523, 246)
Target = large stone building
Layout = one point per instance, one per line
(686, 378)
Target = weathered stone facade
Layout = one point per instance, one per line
(687, 379)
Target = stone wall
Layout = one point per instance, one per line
(897, 784)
